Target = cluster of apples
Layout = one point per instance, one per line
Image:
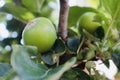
(40, 32)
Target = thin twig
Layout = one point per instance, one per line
(62, 29)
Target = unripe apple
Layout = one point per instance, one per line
(41, 33)
(87, 21)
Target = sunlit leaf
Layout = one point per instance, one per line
(33, 5)
(19, 12)
(111, 9)
(46, 10)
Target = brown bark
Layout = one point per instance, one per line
(63, 19)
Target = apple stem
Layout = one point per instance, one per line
(62, 27)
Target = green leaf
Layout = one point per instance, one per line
(48, 58)
(118, 24)
(116, 59)
(90, 54)
(33, 5)
(46, 10)
(97, 76)
(5, 58)
(4, 69)
(86, 54)
(69, 75)
(116, 49)
(113, 11)
(82, 75)
(1, 78)
(10, 76)
(29, 70)
(75, 12)
(75, 74)
(57, 72)
(19, 12)
(24, 66)
(106, 55)
(72, 33)
(115, 8)
(3, 17)
(89, 64)
(73, 44)
(59, 47)
(51, 0)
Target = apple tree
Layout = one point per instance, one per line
(60, 42)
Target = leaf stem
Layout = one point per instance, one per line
(80, 45)
(62, 28)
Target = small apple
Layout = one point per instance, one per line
(87, 21)
(41, 33)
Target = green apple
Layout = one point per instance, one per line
(87, 21)
(41, 33)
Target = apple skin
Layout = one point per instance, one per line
(41, 33)
(87, 22)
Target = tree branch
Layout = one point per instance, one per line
(62, 28)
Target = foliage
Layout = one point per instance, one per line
(65, 60)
